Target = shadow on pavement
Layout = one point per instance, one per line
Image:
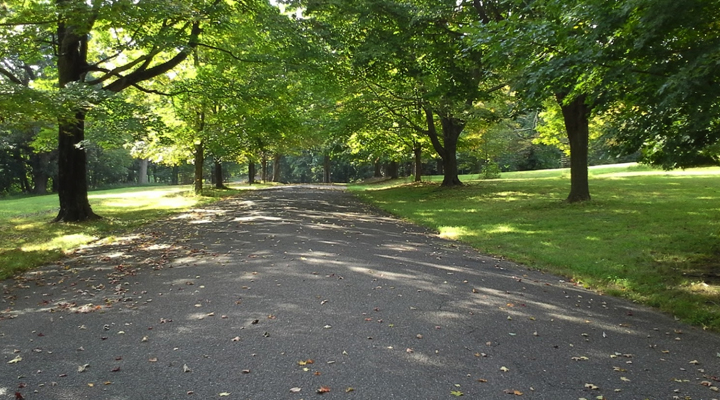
(304, 287)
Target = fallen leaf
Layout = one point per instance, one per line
(482, 380)
(624, 379)
(694, 362)
(186, 368)
(581, 358)
(323, 389)
(504, 369)
(153, 360)
(116, 369)
(515, 392)
(246, 371)
(456, 393)
(348, 390)
(591, 386)
(224, 394)
(15, 360)
(83, 367)
(295, 389)
(235, 339)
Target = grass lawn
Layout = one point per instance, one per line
(29, 240)
(648, 235)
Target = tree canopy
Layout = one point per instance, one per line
(365, 81)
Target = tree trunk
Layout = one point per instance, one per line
(264, 166)
(251, 172)
(276, 167)
(447, 150)
(451, 129)
(199, 161)
(417, 151)
(143, 173)
(378, 169)
(41, 167)
(22, 173)
(72, 166)
(41, 164)
(326, 169)
(576, 115)
(72, 172)
(175, 177)
(218, 173)
(393, 170)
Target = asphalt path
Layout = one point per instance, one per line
(304, 293)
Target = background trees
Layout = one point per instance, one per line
(325, 90)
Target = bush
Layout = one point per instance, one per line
(491, 170)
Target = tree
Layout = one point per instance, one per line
(102, 47)
(552, 49)
(386, 43)
(668, 80)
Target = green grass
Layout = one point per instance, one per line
(648, 235)
(29, 240)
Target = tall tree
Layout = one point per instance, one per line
(551, 49)
(668, 82)
(101, 46)
(416, 51)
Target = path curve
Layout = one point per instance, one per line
(277, 294)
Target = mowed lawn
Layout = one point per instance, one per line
(29, 240)
(648, 235)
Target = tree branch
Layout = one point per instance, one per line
(432, 133)
(231, 54)
(10, 76)
(140, 75)
(153, 91)
(392, 111)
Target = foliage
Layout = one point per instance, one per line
(490, 170)
(669, 101)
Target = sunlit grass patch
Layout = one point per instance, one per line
(648, 235)
(30, 240)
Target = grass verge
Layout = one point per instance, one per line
(647, 235)
(29, 240)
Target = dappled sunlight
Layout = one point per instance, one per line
(416, 261)
(158, 203)
(61, 242)
(26, 226)
(257, 218)
(453, 232)
(502, 228)
(702, 287)
(147, 194)
(262, 288)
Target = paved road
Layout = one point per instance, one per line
(280, 293)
